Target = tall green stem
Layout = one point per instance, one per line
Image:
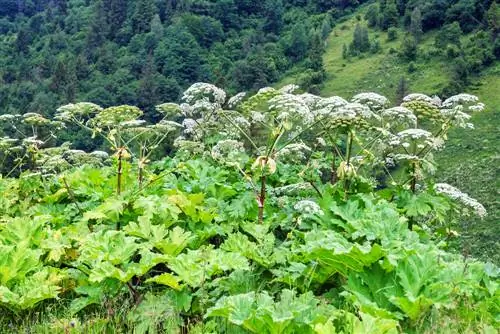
(262, 198)
(348, 164)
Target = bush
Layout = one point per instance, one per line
(392, 34)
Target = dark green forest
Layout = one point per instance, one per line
(148, 51)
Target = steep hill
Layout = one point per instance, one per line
(471, 160)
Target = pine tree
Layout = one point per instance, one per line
(274, 16)
(389, 15)
(326, 26)
(493, 16)
(315, 55)
(416, 24)
(116, 16)
(402, 90)
(360, 40)
(143, 15)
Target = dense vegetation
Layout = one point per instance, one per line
(274, 212)
(277, 213)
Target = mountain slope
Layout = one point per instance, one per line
(471, 159)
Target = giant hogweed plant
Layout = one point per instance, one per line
(274, 127)
(121, 127)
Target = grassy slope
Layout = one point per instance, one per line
(471, 158)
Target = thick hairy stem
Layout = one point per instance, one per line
(334, 176)
(413, 187)
(71, 195)
(119, 179)
(119, 173)
(262, 198)
(141, 176)
(348, 164)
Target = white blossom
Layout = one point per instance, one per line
(310, 99)
(373, 100)
(400, 115)
(9, 118)
(32, 141)
(308, 207)
(292, 189)
(421, 97)
(257, 117)
(235, 100)
(99, 154)
(132, 123)
(227, 151)
(266, 90)
(201, 90)
(456, 194)
(289, 89)
(291, 106)
(293, 152)
(189, 125)
(459, 99)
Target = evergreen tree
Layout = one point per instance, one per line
(360, 41)
(116, 16)
(416, 24)
(402, 90)
(298, 42)
(315, 54)
(157, 27)
(274, 16)
(372, 16)
(326, 27)
(143, 15)
(409, 48)
(345, 51)
(389, 15)
(98, 27)
(493, 16)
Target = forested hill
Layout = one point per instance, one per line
(145, 52)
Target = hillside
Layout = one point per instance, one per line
(471, 160)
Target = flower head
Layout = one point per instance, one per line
(456, 194)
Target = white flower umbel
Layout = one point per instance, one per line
(373, 100)
(189, 125)
(202, 90)
(100, 155)
(293, 189)
(235, 100)
(460, 99)
(456, 194)
(289, 89)
(308, 207)
(169, 109)
(417, 137)
(77, 110)
(400, 115)
(132, 124)
(421, 97)
(310, 99)
(228, 151)
(457, 117)
(8, 118)
(328, 106)
(32, 141)
(291, 107)
(293, 152)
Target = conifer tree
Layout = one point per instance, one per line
(143, 15)
(416, 24)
